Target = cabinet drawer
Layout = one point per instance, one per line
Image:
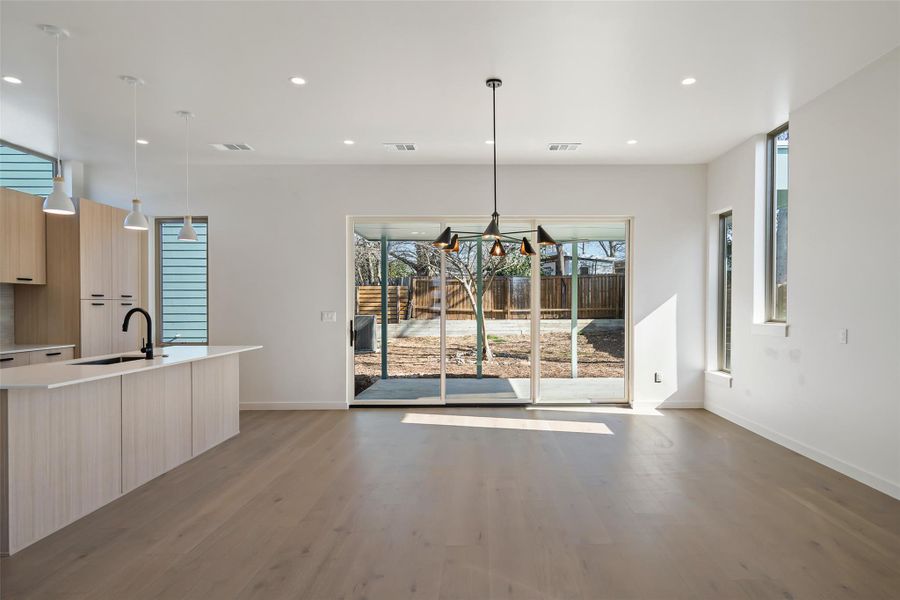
(45, 356)
(17, 359)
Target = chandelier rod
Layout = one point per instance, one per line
(494, 112)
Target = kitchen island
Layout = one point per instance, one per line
(74, 436)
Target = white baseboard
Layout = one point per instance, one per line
(664, 405)
(870, 479)
(294, 406)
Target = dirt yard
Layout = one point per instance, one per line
(601, 353)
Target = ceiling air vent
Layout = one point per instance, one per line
(563, 147)
(233, 147)
(401, 147)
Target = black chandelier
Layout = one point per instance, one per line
(448, 241)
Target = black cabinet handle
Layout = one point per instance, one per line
(127, 296)
(128, 304)
(7, 358)
(98, 304)
(24, 279)
(97, 295)
(53, 354)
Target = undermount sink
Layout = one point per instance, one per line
(110, 361)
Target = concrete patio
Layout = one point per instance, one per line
(492, 389)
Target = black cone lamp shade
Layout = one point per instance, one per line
(493, 229)
(526, 248)
(544, 238)
(442, 240)
(454, 245)
(497, 249)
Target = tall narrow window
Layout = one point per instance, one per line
(777, 217)
(25, 171)
(725, 235)
(182, 284)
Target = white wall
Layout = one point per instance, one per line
(838, 404)
(277, 258)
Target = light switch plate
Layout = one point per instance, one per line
(842, 336)
(329, 316)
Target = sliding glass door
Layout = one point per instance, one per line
(583, 314)
(488, 321)
(396, 313)
(436, 327)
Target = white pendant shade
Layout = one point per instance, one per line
(58, 202)
(136, 219)
(187, 233)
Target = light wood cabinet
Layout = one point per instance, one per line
(125, 341)
(63, 453)
(38, 357)
(96, 327)
(90, 256)
(126, 257)
(16, 359)
(96, 248)
(216, 401)
(23, 233)
(156, 423)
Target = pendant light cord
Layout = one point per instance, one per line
(58, 113)
(134, 137)
(494, 112)
(187, 163)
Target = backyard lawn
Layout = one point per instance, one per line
(601, 353)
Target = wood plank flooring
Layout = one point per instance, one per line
(362, 505)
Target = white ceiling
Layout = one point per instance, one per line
(595, 73)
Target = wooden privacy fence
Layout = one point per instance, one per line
(368, 302)
(599, 297)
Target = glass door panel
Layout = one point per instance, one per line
(583, 304)
(397, 313)
(488, 355)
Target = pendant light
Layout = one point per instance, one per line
(449, 240)
(136, 219)
(187, 233)
(453, 246)
(58, 202)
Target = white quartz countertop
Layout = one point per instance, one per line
(13, 348)
(60, 374)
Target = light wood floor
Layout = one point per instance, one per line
(359, 504)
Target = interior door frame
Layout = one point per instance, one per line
(352, 220)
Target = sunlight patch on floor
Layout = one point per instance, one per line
(506, 423)
(602, 410)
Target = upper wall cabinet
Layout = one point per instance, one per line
(110, 254)
(22, 238)
(94, 225)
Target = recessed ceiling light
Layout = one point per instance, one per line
(12, 79)
(349, 142)
(142, 141)
(631, 142)
(489, 142)
(688, 81)
(298, 81)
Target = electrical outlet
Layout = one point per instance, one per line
(329, 316)
(657, 378)
(842, 336)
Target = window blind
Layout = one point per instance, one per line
(25, 172)
(183, 284)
